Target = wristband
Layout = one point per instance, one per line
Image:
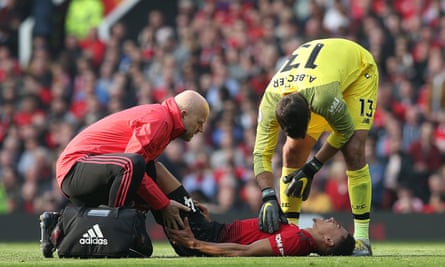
(268, 193)
(313, 166)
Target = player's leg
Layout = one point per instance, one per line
(295, 154)
(176, 191)
(110, 179)
(361, 99)
(97, 180)
(360, 190)
(201, 227)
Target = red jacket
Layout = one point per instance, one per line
(144, 129)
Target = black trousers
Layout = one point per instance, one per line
(109, 179)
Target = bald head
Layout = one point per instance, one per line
(190, 99)
(194, 112)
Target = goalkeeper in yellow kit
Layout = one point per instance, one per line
(325, 85)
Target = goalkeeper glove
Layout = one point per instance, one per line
(270, 212)
(300, 180)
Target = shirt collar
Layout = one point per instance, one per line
(178, 125)
(311, 241)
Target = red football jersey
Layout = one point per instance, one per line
(290, 240)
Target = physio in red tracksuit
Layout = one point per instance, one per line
(111, 162)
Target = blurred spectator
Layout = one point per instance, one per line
(377, 171)
(69, 55)
(439, 134)
(10, 189)
(60, 82)
(398, 171)
(42, 13)
(105, 80)
(388, 133)
(250, 194)
(406, 201)
(92, 47)
(6, 118)
(82, 16)
(426, 159)
(118, 34)
(435, 90)
(94, 110)
(410, 127)
(12, 12)
(9, 66)
(200, 182)
(60, 132)
(436, 183)
(223, 87)
(173, 159)
(28, 110)
(85, 90)
(337, 186)
(226, 150)
(227, 195)
(336, 19)
(318, 201)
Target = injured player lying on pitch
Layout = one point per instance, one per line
(204, 237)
(242, 238)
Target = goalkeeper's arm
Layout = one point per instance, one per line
(326, 152)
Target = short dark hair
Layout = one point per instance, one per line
(344, 248)
(293, 114)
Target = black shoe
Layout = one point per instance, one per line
(48, 221)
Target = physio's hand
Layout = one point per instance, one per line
(171, 215)
(270, 212)
(300, 181)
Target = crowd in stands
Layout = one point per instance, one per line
(227, 51)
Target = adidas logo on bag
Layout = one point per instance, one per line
(93, 236)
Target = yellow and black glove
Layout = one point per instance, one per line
(270, 213)
(300, 180)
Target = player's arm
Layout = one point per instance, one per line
(270, 214)
(266, 139)
(327, 100)
(258, 248)
(326, 152)
(186, 239)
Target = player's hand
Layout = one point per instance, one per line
(183, 237)
(300, 181)
(171, 215)
(270, 213)
(204, 210)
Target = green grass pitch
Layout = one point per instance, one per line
(386, 254)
